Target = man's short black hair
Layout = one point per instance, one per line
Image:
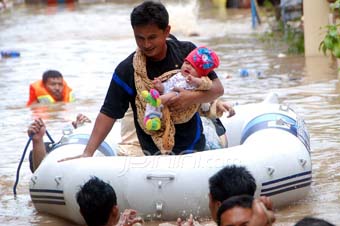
(96, 199)
(150, 12)
(243, 201)
(51, 74)
(230, 181)
(312, 221)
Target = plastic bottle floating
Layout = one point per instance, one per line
(244, 72)
(250, 72)
(9, 54)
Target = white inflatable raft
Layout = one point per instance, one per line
(268, 138)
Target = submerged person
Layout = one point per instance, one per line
(229, 181)
(242, 210)
(36, 131)
(127, 146)
(52, 88)
(156, 57)
(233, 181)
(98, 205)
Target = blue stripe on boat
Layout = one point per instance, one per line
(287, 178)
(308, 179)
(47, 197)
(287, 189)
(286, 184)
(54, 197)
(49, 202)
(277, 121)
(47, 191)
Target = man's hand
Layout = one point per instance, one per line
(222, 107)
(128, 218)
(80, 120)
(181, 101)
(74, 157)
(189, 222)
(36, 129)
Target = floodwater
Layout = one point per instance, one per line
(85, 41)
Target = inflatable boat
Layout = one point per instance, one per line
(268, 138)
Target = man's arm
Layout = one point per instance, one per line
(102, 127)
(187, 98)
(36, 130)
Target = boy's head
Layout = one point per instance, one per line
(229, 181)
(98, 202)
(236, 210)
(203, 59)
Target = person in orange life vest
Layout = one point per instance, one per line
(50, 89)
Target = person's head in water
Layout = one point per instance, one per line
(98, 203)
(150, 24)
(54, 84)
(229, 181)
(235, 211)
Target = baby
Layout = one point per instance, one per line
(192, 76)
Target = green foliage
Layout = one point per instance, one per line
(294, 37)
(331, 41)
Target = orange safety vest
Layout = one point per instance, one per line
(38, 93)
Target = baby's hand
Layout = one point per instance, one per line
(157, 83)
(189, 79)
(194, 81)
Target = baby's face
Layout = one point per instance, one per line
(188, 69)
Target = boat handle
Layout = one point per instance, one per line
(284, 107)
(160, 177)
(282, 122)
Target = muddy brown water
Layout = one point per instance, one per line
(85, 41)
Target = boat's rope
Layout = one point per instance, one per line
(22, 159)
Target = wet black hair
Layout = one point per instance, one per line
(51, 74)
(96, 199)
(230, 181)
(150, 12)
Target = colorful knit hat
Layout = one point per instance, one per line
(203, 59)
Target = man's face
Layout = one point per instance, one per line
(236, 216)
(152, 41)
(55, 87)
